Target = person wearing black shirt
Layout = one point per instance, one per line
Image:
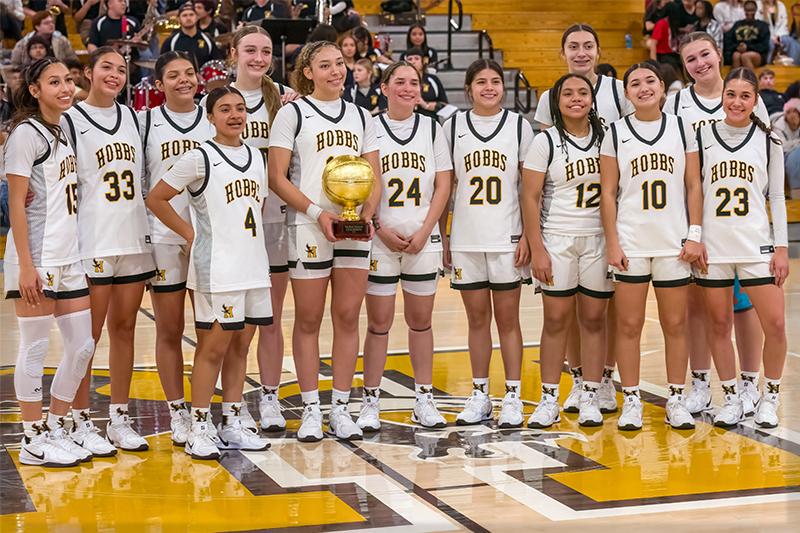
(365, 91)
(190, 39)
(432, 91)
(85, 14)
(113, 25)
(747, 43)
(773, 100)
(31, 7)
(205, 18)
(686, 16)
(263, 8)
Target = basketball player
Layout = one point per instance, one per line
(113, 236)
(649, 172)
(168, 132)
(415, 166)
(701, 104)
(741, 162)
(43, 273)
(488, 247)
(305, 135)
(228, 265)
(580, 48)
(568, 252)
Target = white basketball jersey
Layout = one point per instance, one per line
(256, 135)
(651, 202)
(486, 210)
(319, 138)
(692, 109)
(408, 172)
(52, 214)
(112, 219)
(735, 184)
(571, 195)
(228, 253)
(164, 143)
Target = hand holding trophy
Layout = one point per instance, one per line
(348, 181)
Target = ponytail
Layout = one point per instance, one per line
(763, 127)
(27, 106)
(747, 75)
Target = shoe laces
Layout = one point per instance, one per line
(475, 402)
(513, 404)
(427, 408)
(273, 408)
(313, 414)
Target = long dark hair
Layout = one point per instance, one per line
(558, 121)
(478, 66)
(424, 45)
(27, 107)
(745, 74)
(793, 27)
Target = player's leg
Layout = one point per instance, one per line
(270, 353)
(380, 301)
(749, 346)
(592, 325)
(699, 397)
(506, 313)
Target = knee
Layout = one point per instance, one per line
(673, 322)
(593, 324)
(629, 326)
(557, 322)
(480, 319)
(775, 330)
(380, 323)
(308, 322)
(418, 321)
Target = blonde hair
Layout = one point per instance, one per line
(367, 64)
(270, 93)
(302, 84)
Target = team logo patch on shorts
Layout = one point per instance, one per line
(161, 275)
(457, 273)
(227, 312)
(311, 252)
(98, 266)
(373, 265)
(50, 279)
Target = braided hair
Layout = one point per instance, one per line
(745, 74)
(558, 121)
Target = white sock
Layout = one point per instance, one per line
(631, 392)
(55, 421)
(772, 388)
(270, 393)
(700, 378)
(423, 391)
(676, 390)
(310, 398)
(117, 412)
(749, 379)
(591, 386)
(339, 397)
(371, 394)
(176, 406)
(200, 415)
(550, 391)
(79, 416)
(480, 385)
(33, 427)
(513, 388)
(730, 387)
(608, 374)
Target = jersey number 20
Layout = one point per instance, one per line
(494, 190)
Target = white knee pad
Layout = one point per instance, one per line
(34, 341)
(76, 331)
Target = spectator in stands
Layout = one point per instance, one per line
(263, 8)
(190, 39)
(57, 45)
(687, 18)
(773, 100)
(728, 13)
(747, 44)
(664, 44)
(706, 22)
(82, 85)
(365, 47)
(344, 17)
(205, 10)
(673, 79)
(773, 13)
(786, 126)
(792, 91)
(606, 69)
(350, 54)
(366, 90)
(31, 7)
(790, 42)
(12, 19)
(37, 49)
(113, 25)
(432, 94)
(652, 14)
(323, 32)
(418, 38)
(12, 76)
(88, 11)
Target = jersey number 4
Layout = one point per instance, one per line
(250, 221)
(592, 201)
(744, 202)
(412, 194)
(113, 180)
(494, 190)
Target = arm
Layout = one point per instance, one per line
(532, 185)
(609, 185)
(779, 264)
(371, 206)
(158, 202)
(81, 13)
(694, 251)
(761, 43)
(30, 284)
(447, 259)
(441, 196)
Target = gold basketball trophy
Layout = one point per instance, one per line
(348, 181)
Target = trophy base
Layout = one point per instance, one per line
(350, 229)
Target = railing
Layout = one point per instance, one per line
(518, 105)
(419, 12)
(484, 35)
(452, 26)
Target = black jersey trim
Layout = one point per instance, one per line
(510, 286)
(491, 135)
(259, 321)
(632, 279)
(433, 129)
(588, 145)
(328, 117)
(134, 278)
(453, 135)
(519, 131)
(207, 164)
(560, 294)
(344, 252)
(614, 137)
(112, 131)
(728, 148)
(699, 137)
(397, 139)
(600, 295)
(551, 154)
(642, 139)
(299, 118)
(683, 134)
(700, 105)
(197, 119)
(363, 118)
(318, 265)
(672, 283)
(469, 286)
(432, 276)
(147, 121)
(714, 283)
(279, 269)
(250, 111)
(135, 119)
(177, 287)
(615, 91)
(383, 280)
(231, 163)
(71, 129)
(677, 102)
(41, 159)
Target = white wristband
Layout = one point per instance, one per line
(695, 232)
(314, 211)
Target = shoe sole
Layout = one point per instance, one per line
(310, 438)
(355, 436)
(687, 425)
(506, 425)
(766, 425)
(590, 424)
(572, 409)
(179, 444)
(629, 427)
(607, 411)
(536, 425)
(52, 465)
(460, 422)
(726, 424)
(272, 429)
(212, 457)
(702, 409)
(142, 448)
(241, 449)
(370, 429)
